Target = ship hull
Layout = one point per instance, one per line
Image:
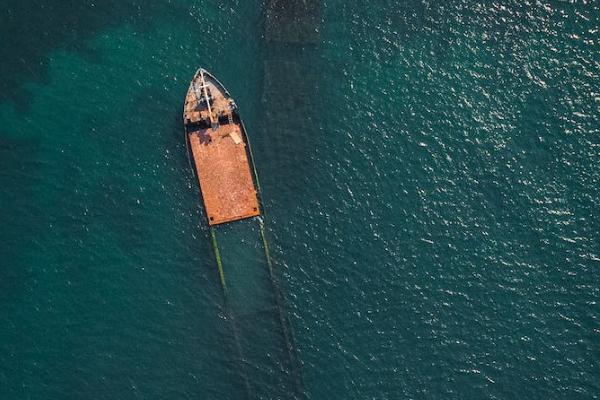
(219, 148)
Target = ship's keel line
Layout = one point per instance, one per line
(230, 316)
(288, 337)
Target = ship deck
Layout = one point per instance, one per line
(223, 170)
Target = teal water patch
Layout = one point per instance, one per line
(446, 246)
(107, 270)
(429, 173)
(35, 30)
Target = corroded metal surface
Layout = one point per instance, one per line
(218, 146)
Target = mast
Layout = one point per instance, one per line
(204, 89)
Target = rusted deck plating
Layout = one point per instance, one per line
(217, 140)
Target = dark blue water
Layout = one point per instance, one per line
(429, 172)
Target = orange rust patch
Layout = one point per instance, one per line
(224, 174)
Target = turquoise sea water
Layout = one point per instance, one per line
(430, 177)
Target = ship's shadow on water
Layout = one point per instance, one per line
(290, 95)
(288, 135)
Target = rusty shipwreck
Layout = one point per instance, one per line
(220, 151)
